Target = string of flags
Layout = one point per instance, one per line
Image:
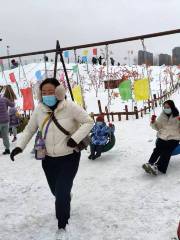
(140, 89)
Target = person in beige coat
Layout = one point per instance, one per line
(61, 161)
(167, 126)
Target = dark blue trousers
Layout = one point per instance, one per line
(60, 173)
(162, 153)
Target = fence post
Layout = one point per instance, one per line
(119, 117)
(145, 108)
(106, 110)
(99, 105)
(136, 112)
(112, 115)
(92, 115)
(155, 100)
(126, 110)
(149, 105)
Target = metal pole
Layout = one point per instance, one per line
(75, 58)
(64, 67)
(8, 58)
(55, 62)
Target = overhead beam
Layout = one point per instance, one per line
(96, 44)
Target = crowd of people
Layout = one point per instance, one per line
(63, 125)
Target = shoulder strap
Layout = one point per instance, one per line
(59, 126)
(45, 121)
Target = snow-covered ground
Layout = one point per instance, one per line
(113, 199)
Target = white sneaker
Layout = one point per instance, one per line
(61, 234)
(151, 169)
(154, 169)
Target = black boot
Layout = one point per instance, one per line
(7, 151)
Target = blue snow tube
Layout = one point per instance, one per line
(176, 151)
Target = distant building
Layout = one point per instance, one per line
(176, 56)
(145, 58)
(164, 59)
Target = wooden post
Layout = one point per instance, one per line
(99, 105)
(92, 115)
(149, 105)
(112, 115)
(136, 112)
(106, 110)
(126, 110)
(141, 112)
(145, 108)
(155, 101)
(119, 117)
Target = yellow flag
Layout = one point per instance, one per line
(77, 94)
(141, 89)
(85, 52)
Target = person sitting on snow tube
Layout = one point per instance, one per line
(99, 137)
(168, 136)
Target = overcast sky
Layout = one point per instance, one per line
(30, 25)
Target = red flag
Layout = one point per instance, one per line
(28, 103)
(12, 77)
(95, 51)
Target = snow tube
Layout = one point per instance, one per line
(176, 151)
(110, 144)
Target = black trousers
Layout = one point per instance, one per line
(96, 150)
(60, 173)
(162, 153)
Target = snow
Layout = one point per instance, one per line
(113, 198)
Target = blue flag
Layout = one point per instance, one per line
(38, 75)
(84, 59)
(66, 54)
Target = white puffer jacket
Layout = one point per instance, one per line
(71, 117)
(167, 128)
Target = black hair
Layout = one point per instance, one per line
(52, 81)
(174, 109)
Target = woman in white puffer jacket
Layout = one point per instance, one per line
(167, 126)
(61, 162)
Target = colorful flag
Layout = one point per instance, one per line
(66, 54)
(77, 94)
(95, 51)
(141, 89)
(12, 77)
(85, 52)
(125, 90)
(28, 103)
(84, 59)
(75, 68)
(38, 75)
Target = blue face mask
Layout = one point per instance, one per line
(49, 100)
(167, 110)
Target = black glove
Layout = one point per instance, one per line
(71, 143)
(14, 152)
